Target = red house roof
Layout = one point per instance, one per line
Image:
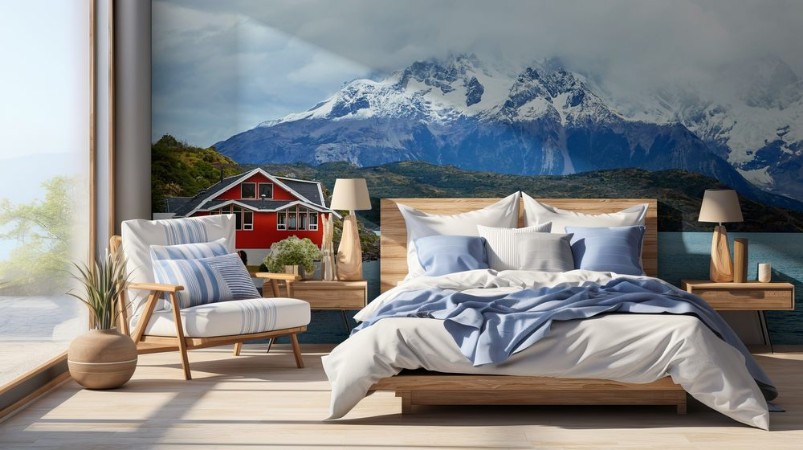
(286, 192)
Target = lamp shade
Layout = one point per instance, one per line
(350, 194)
(720, 205)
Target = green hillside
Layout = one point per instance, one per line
(180, 170)
(679, 193)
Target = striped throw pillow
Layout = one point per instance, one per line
(206, 280)
(189, 251)
(532, 248)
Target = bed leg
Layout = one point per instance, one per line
(681, 407)
(407, 401)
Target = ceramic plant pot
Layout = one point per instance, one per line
(102, 359)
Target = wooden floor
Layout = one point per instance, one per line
(262, 401)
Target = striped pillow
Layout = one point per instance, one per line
(532, 248)
(206, 280)
(189, 251)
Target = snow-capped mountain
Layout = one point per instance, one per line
(536, 120)
(754, 120)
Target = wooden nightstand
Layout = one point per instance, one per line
(338, 295)
(751, 296)
(331, 295)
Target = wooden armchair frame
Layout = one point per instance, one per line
(154, 344)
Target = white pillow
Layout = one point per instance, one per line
(531, 248)
(139, 235)
(503, 214)
(536, 213)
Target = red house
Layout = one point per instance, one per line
(267, 209)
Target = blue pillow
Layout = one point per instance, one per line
(442, 254)
(608, 249)
(206, 280)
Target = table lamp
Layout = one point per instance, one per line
(719, 206)
(350, 194)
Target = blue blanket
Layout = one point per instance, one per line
(490, 329)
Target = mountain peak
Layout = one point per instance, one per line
(541, 118)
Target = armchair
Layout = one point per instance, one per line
(158, 325)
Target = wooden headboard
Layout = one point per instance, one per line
(393, 239)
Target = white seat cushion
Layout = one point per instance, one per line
(233, 317)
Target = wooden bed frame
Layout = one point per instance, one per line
(427, 388)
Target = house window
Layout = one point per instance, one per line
(248, 220)
(243, 218)
(238, 217)
(302, 219)
(297, 219)
(248, 190)
(266, 191)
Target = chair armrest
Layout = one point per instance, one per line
(277, 276)
(156, 287)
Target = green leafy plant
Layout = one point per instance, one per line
(290, 252)
(103, 285)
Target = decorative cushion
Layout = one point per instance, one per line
(608, 249)
(138, 236)
(442, 255)
(531, 248)
(189, 251)
(233, 318)
(504, 213)
(206, 280)
(536, 212)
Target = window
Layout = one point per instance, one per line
(297, 218)
(248, 190)
(248, 220)
(292, 223)
(302, 219)
(238, 217)
(243, 218)
(266, 191)
(45, 215)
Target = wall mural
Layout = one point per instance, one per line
(470, 98)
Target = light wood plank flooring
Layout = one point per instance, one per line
(262, 401)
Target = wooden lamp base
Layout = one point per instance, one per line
(721, 266)
(349, 252)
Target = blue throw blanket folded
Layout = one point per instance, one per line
(490, 329)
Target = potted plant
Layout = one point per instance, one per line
(292, 254)
(103, 358)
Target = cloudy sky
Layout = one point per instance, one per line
(222, 67)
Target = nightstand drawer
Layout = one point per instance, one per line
(748, 299)
(332, 294)
(744, 296)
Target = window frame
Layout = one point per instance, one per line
(259, 191)
(281, 220)
(242, 189)
(35, 383)
(248, 225)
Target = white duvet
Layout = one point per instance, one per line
(633, 348)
